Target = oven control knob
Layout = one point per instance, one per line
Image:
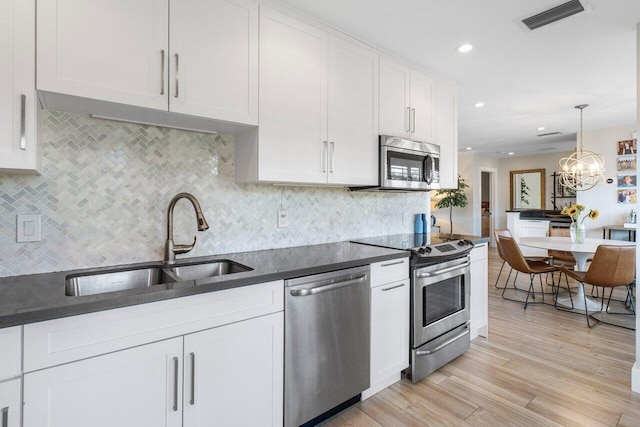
(421, 251)
(462, 243)
(427, 249)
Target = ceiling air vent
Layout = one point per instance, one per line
(550, 134)
(554, 14)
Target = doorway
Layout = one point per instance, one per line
(487, 202)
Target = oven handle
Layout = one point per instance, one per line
(420, 275)
(444, 344)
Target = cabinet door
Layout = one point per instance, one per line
(214, 51)
(136, 387)
(394, 98)
(389, 330)
(10, 403)
(422, 107)
(234, 374)
(18, 149)
(479, 290)
(10, 352)
(446, 112)
(293, 144)
(352, 114)
(111, 50)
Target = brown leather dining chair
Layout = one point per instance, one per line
(612, 266)
(507, 233)
(517, 261)
(562, 259)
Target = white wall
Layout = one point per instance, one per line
(604, 197)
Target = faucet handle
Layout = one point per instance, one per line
(183, 249)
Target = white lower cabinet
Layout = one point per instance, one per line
(389, 325)
(137, 387)
(479, 289)
(10, 403)
(234, 374)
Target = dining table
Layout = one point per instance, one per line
(581, 252)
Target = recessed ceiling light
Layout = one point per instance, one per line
(469, 148)
(542, 128)
(511, 153)
(464, 48)
(479, 104)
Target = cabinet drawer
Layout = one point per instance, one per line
(58, 341)
(543, 225)
(478, 252)
(389, 271)
(10, 352)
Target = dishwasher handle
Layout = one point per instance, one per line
(327, 288)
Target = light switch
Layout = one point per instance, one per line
(28, 228)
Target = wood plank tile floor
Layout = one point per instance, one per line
(539, 367)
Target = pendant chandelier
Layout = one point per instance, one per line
(583, 169)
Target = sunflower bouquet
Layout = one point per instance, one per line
(576, 210)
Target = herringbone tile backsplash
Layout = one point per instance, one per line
(106, 186)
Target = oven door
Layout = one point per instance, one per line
(409, 165)
(440, 299)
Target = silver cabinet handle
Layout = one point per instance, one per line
(393, 287)
(23, 120)
(444, 270)
(162, 72)
(175, 384)
(389, 264)
(193, 378)
(409, 119)
(444, 344)
(5, 417)
(324, 156)
(327, 288)
(177, 73)
(413, 126)
(332, 164)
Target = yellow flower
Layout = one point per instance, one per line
(573, 210)
(564, 210)
(593, 214)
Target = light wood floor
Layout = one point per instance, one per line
(539, 367)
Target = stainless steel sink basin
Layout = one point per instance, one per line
(207, 269)
(115, 280)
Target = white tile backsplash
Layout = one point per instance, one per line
(106, 186)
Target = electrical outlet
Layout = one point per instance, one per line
(283, 218)
(28, 228)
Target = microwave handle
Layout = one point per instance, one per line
(427, 172)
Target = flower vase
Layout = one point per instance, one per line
(578, 232)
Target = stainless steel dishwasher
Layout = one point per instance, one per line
(327, 338)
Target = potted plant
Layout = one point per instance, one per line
(451, 198)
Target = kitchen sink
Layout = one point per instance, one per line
(207, 269)
(115, 280)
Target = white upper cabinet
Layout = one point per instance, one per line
(446, 130)
(110, 50)
(214, 54)
(394, 98)
(197, 58)
(292, 136)
(407, 101)
(318, 108)
(19, 149)
(422, 107)
(352, 114)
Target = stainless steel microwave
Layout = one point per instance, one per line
(408, 165)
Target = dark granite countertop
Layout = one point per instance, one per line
(38, 297)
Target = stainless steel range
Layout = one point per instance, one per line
(440, 289)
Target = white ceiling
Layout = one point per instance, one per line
(527, 79)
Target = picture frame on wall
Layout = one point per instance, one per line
(627, 181)
(626, 163)
(627, 147)
(627, 196)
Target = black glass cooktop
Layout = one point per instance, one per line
(410, 241)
